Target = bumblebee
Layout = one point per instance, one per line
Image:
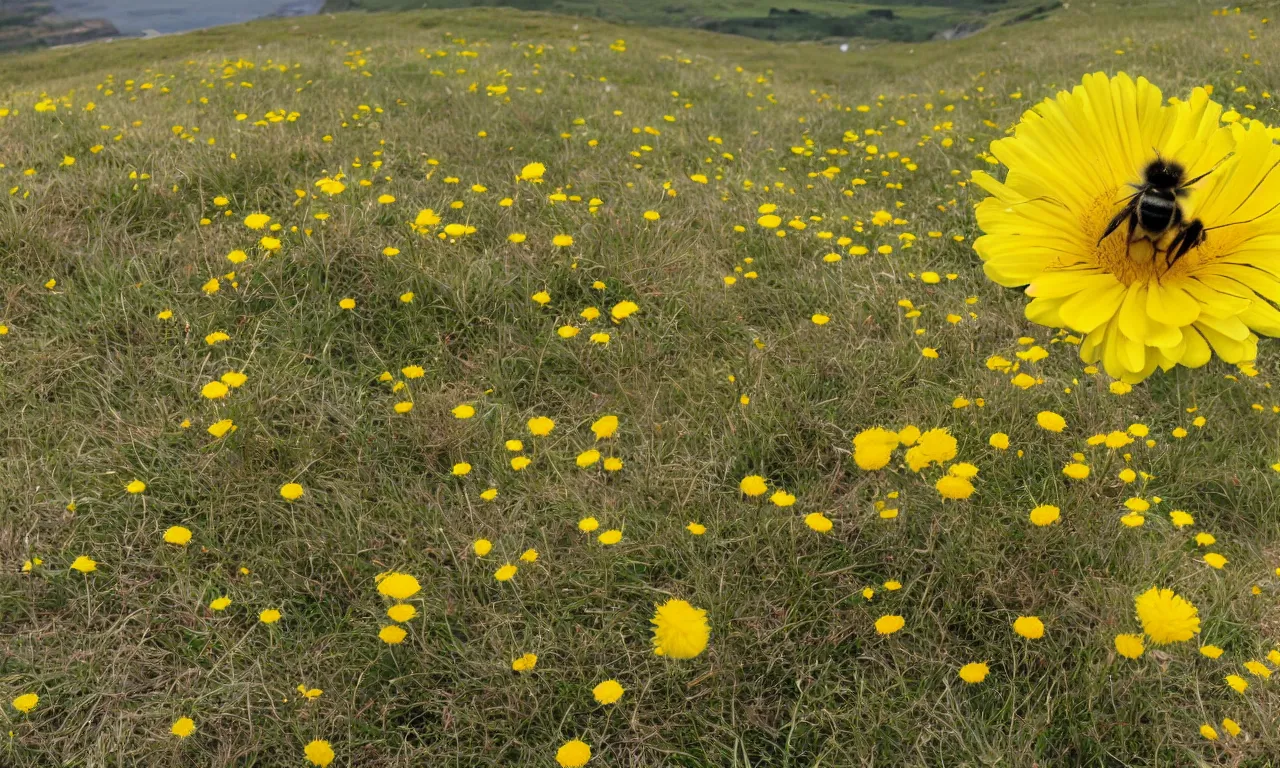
(1154, 209)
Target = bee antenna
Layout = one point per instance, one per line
(1245, 221)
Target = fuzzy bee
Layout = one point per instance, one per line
(1154, 209)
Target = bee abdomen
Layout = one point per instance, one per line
(1156, 214)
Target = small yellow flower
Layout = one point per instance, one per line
(291, 491)
(269, 616)
(505, 573)
(178, 536)
(183, 727)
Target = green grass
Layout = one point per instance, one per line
(94, 389)
(908, 20)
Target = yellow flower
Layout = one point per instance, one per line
(532, 172)
(1139, 304)
(220, 603)
(697, 529)
(1051, 421)
(178, 535)
(600, 338)
(84, 564)
(781, 498)
(887, 625)
(562, 241)
(489, 494)
(233, 379)
(525, 663)
(974, 672)
(136, 486)
(954, 487)
(623, 309)
(214, 390)
(587, 458)
(610, 537)
(347, 303)
(1231, 726)
(481, 547)
(753, 485)
(873, 448)
(999, 441)
(520, 462)
(505, 573)
(183, 727)
(818, 522)
(540, 426)
(608, 692)
(1045, 514)
(680, 631)
(256, 220)
(26, 702)
(1237, 683)
(1029, 627)
(1076, 471)
(1210, 651)
(221, 427)
(588, 524)
(573, 754)
(1215, 560)
(413, 371)
(318, 752)
(392, 635)
(291, 491)
(269, 616)
(542, 298)
(1207, 731)
(1166, 617)
(605, 427)
(398, 586)
(461, 468)
(463, 411)
(1129, 646)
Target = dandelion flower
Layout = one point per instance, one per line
(1129, 646)
(1166, 617)
(697, 529)
(605, 427)
(753, 485)
(463, 411)
(1237, 683)
(974, 672)
(953, 487)
(1045, 514)
(398, 586)
(587, 458)
(291, 491)
(610, 537)
(392, 635)
(505, 573)
(608, 692)
(1231, 726)
(818, 522)
(588, 524)
(1139, 306)
(680, 631)
(573, 754)
(999, 441)
(873, 448)
(269, 616)
(84, 564)
(887, 625)
(183, 727)
(481, 547)
(1051, 421)
(1076, 471)
(1210, 651)
(781, 498)
(525, 663)
(1029, 627)
(220, 603)
(214, 390)
(1215, 560)
(1208, 732)
(318, 752)
(256, 220)
(26, 702)
(541, 426)
(177, 535)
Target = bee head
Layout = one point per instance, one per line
(1165, 174)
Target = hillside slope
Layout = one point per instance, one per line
(394, 331)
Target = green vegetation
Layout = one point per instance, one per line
(899, 20)
(711, 382)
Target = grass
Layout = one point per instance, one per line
(900, 20)
(94, 390)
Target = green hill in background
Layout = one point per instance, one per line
(897, 20)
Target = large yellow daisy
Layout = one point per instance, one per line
(1073, 162)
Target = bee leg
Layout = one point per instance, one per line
(1189, 237)
(1129, 212)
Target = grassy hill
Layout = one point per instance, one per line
(899, 20)
(132, 280)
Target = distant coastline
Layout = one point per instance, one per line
(38, 23)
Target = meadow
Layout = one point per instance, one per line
(310, 333)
